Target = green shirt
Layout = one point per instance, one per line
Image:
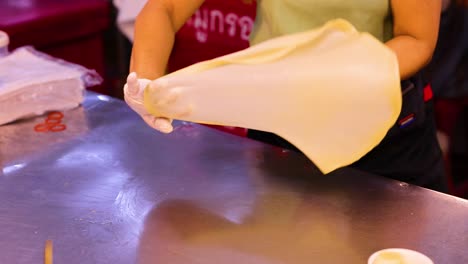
(281, 17)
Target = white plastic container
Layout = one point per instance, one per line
(4, 42)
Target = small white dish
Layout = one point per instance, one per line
(398, 256)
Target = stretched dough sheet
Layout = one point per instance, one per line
(333, 92)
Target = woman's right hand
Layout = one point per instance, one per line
(133, 94)
(155, 29)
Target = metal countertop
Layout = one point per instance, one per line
(109, 189)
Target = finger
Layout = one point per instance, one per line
(149, 120)
(132, 84)
(133, 104)
(163, 124)
(132, 77)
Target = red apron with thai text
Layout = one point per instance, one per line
(219, 27)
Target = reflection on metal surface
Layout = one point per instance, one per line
(12, 168)
(104, 98)
(111, 190)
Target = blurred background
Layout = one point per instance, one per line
(98, 34)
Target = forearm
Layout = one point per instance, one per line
(415, 31)
(154, 39)
(155, 28)
(412, 54)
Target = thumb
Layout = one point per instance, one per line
(132, 84)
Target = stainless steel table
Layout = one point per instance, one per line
(109, 189)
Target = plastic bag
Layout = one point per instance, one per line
(32, 83)
(333, 92)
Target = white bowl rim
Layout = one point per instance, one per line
(403, 251)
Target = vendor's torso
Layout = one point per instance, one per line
(281, 17)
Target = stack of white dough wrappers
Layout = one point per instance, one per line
(32, 83)
(333, 92)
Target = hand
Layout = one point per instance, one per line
(133, 94)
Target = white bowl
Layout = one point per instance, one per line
(408, 256)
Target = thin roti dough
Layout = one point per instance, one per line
(333, 92)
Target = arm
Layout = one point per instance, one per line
(155, 28)
(415, 30)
